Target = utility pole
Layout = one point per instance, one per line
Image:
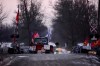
(16, 33)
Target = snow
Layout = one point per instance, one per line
(6, 44)
(51, 43)
(80, 44)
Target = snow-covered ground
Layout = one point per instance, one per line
(52, 60)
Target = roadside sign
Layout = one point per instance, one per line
(94, 36)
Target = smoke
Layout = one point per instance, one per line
(47, 13)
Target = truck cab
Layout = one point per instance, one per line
(40, 45)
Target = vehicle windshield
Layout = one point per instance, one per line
(41, 40)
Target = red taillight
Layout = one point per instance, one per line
(39, 47)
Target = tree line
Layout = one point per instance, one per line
(71, 25)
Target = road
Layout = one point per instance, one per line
(52, 60)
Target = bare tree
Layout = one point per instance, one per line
(72, 25)
(28, 14)
(3, 15)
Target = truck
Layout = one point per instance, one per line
(41, 45)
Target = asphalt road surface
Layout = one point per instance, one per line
(52, 60)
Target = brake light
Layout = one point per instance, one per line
(39, 47)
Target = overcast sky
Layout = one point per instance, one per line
(11, 6)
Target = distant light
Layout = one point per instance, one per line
(23, 56)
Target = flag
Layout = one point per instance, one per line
(35, 35)
(17, 16)
(93, 44)
(98, 42)
(86, 41)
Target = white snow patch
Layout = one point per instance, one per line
(23, 56)
(51, 43)
(81, 63)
